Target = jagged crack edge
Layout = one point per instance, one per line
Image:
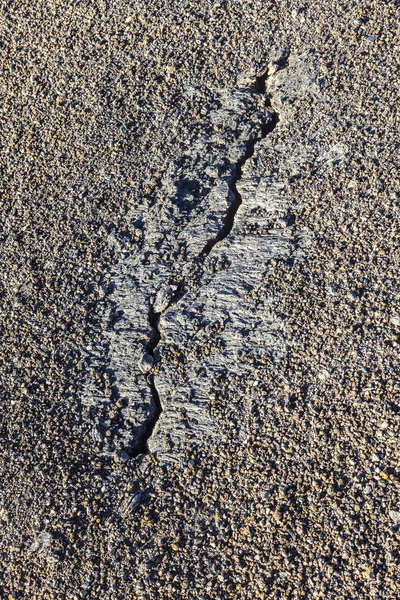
(154, 317)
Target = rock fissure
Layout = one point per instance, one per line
(154, 316)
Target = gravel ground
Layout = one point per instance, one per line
(94, 110)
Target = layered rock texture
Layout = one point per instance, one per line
(186, 308)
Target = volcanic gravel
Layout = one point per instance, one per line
(93, 111)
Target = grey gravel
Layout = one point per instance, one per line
(272, 469)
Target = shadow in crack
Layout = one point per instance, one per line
(191, 188)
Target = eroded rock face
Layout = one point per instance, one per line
(189, 298)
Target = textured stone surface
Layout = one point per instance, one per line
(274, 466)
(211, 320)
(187, 212)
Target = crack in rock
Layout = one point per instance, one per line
(216, 224)
(174, 297)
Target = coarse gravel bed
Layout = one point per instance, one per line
(303, 500)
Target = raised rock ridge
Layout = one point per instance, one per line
(188, 300)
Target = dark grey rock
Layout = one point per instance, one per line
(146, 363)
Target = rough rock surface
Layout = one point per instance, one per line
(130, 133)
(199, 280)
